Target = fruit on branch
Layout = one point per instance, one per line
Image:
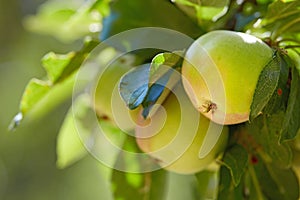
(221, 70)
(107, 100)
(108, 103)
(174, 135)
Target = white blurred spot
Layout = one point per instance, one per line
(257, 23)
(95, 27)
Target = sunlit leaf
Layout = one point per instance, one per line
(163, 75)
(172, 60)
(70, 148)
(282, 18)
(102, 6)
(266, 85)
(208, 181)
(148, 185)
(34, 92)
(76, 60)
(126, 15)
(182, 186)
(203, 10)
(68, 21)
(76, 137)
(280, 9)
(139, 186)
(41, 95)
(61, 66)
(55, 64)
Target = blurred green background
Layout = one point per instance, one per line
(27, 155)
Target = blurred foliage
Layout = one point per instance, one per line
(27, 155)
(73, 28)
(68, 20)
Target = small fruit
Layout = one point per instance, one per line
(175, 143)
(108, 103)
(221, 70)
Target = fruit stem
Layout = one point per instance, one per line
(284, 28)
(255, 182)
(288, 40)
(291, 46)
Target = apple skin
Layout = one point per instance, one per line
(221, 69)
(169, 137)
(108, 103)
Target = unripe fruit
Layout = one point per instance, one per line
(174, 135)
(108, 103)
(222, 70)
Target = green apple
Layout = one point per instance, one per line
(108, 103)
(221, 70)
(173, 135)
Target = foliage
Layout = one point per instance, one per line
(258, 162)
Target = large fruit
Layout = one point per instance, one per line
(174, 135)
(221, 70)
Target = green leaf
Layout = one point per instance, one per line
(227, 189)
(128, 186)
(203, 10)
(266, 132)
(102, 6)
(208, 181)
(133, 86)
(77, 137)
(173, 60)
(253, 185)
(236, 160)
(100, 137)
(69, 145)
(68, 20)
(279, 99)
(279, 10)
(277, 183)
(56, 95)
(261, 181)
(126, 15)
(291, 123)
(280, 153)
(34, 92)
(148, 185)
(163, 75)
(55, 64)
(266, 85)
(212, 10)
(282, 18)
(155, 91)
(182, 186)
(75, 61)
(40, 96)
